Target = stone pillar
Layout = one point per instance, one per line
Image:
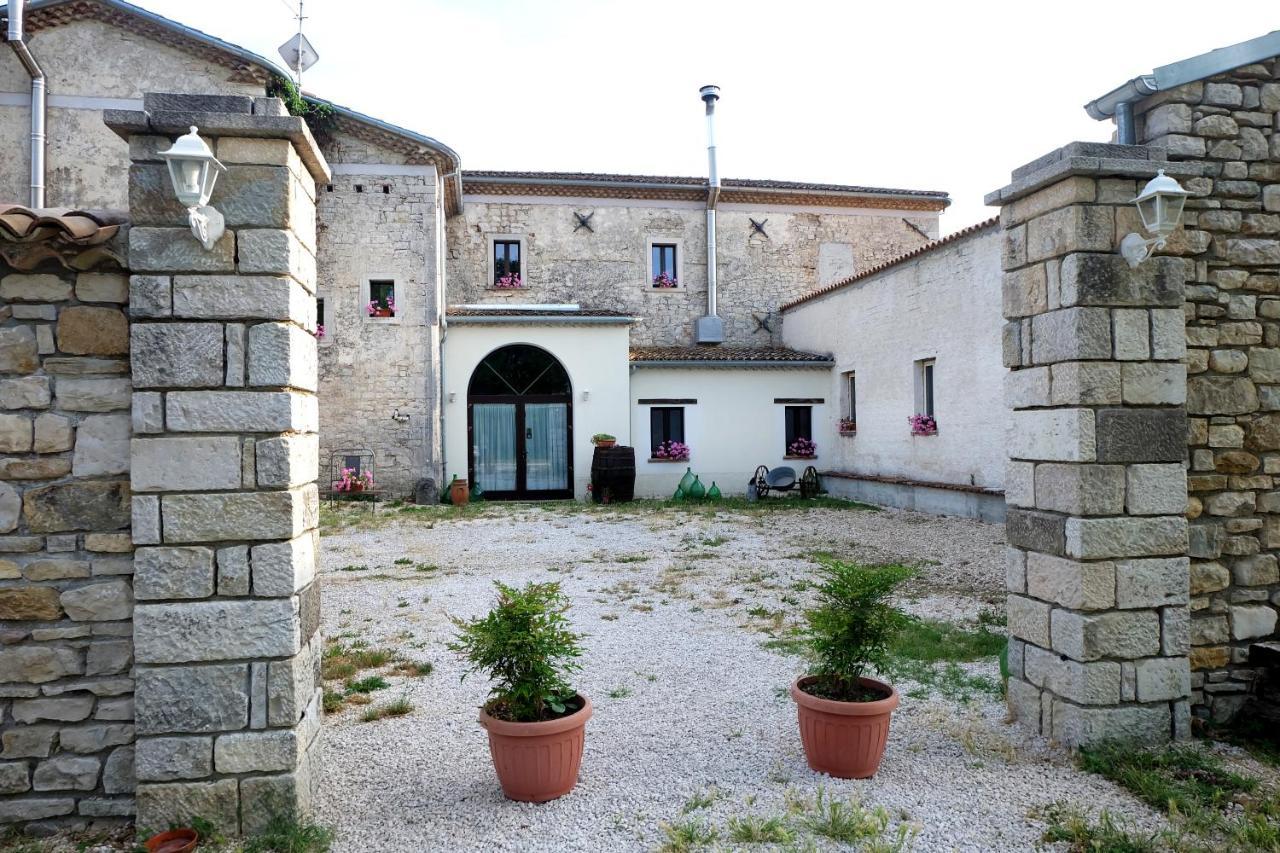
(1096, 483)
(224, 462)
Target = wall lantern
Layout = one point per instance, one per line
(194, 170)
(1160, 206)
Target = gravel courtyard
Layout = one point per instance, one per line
(692, 723)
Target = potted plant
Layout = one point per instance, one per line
(672, 451)
(848, 426)
(665, 281)
(510, 281)
(353, 482)
(381, 307)
(923, 425)
(803, 448)
(603, 439)
(536, 721)
(844, 714)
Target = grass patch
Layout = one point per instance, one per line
(367, 684)
(619, 693)
(715, 541)
(702, 800)
(849, 822)
(758, 830)
(1081, 835)
(402, 561)
(354, 568)
(413, 668)
(333, 701)
(686, 835)
(426, 567)
(395, 708)
(288, 836)
(631, 558)
(929, 652)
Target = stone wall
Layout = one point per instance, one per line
(380, 378)
(1230, 124)
(224, 462)
(66, 563)
(1096, 487)
(608, 268)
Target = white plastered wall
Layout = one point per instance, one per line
(944, 305)
(595, 356)
(734, 426)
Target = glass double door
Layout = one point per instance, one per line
(520, 446)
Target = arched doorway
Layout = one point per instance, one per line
(520, 425)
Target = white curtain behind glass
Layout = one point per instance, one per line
(546, 448)
(494, 432)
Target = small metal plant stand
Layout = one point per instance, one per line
(360, 461)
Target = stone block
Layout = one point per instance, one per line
(1076, 228)
(1106, 279)
(1085, 383)
(237, 341)
(102, 287)
(33, 809)
(148, 412)
(1249, 251)
(1250, 622)
(1077, 725)
(1154, 383)
(85, 366)
(150, 296)
(99, 602)
(216, 630)
(1096, 683)
(1221, 395)
(102, 446)
(1080, 489)
(1026, 388)
(1112, 634)
(281, 355)
(1180, 145)
(1264, 433)
(1015, 570)
(1152, 583)
(239, 516)
(65, 709)
(1071, 334)
(195, 463)
(1054, 435)
(34, 312)
(247, 195)
(291, 684)
(1167, 118)
(169, 759)
(96, 505)
(90, 330)
(46, 468)
(176, 355)
(1141, 435)
(118, 775)
(47, 570)
(27, 742)
(1208, 577)
(1069, 583)
(15, 433)
(39, 664)
(287, 461)
(66, 773)
(18, 352)
(231, 297)
(95, 738)
(34, 287)
(1163, 679)
(191, 699)
(1156, 489)
(53, 434)
(1104, 538)
(92, 395)
(276, 251)
(1175, 631)
(1131, 333)
(1256, 570)
(30, 604)
(27, 392)
(109, 657)
(1029, 620)
(15, 778)
(1023, 700)
(242, 411)
(163, 804)
(283, 568)
(169, 250)
(1019, 484)
(1035, 531)
(1025, 292)
(164, 572)
(256, 752)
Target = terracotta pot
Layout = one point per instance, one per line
(458, 492)
(844, 739)
(537, 762)
(173, 841)
(606, 442)
(357, 487)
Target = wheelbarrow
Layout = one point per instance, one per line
(783, 479)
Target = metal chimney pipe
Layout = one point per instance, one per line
(38, 98)
(710, 329)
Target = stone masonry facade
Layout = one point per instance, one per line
(1096, 489)
(66, 563)
(1229, 125)
(224, 462)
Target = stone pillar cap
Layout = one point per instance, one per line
(1094, 159)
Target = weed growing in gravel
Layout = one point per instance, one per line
(367, 684)
(395, 708)
(1072, 827)
(333, 701)
(402, 561)
(426, 567)
(404, 602)
(609, 617)
(687, 835)
(702, 800)
(619, 693)
(758, 830)
(852, 823)
(283, 835)
(354, 568)
(632, 558)
(413, 669)
(715, 541)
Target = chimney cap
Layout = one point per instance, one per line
(710, 93)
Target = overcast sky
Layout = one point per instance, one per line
(911, 93)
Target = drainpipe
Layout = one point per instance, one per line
(710, 329)
(37, 101)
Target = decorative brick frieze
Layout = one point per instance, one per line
(1098, 577)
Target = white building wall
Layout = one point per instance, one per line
(943, 305)
(595, 357)
(734, 426)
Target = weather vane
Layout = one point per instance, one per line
(297, 52)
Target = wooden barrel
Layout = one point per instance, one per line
(613, 473)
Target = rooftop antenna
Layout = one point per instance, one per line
(297, 52)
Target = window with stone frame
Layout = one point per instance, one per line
(507, 269)
(322, 328)
(382, 298)
(663, 265)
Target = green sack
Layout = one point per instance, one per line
(713, 493)
(697, 491)
(686, 482)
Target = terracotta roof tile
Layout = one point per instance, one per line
(499, 311)
(77, 239)
(878, 268)
(684, 181)
(722, 353)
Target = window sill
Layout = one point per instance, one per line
(924, 434)
(382, 321)
(519, 289)
(657, 461)
(665, 290)
(849, 432)
(799, 457)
